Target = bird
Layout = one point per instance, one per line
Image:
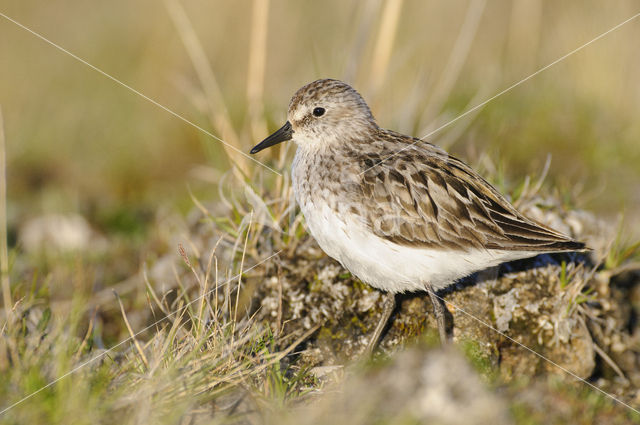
(400, 213)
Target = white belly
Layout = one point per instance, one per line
(392, 267)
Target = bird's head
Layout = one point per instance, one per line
(322, 113)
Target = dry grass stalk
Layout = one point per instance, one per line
(457, 58)
(384, 42)
(256, 68)
(218, 111)
(524, 34)
(365, 20)
(244, 250)
(4, 251)
(132, 335)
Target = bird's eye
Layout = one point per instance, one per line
(318, 112)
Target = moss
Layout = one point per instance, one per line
(359, 324)
(314, 285)
(477, 355)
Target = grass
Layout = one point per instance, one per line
(197, 350)
(146, 183)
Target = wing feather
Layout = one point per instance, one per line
(424, 197)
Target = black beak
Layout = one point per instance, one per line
(282, 135)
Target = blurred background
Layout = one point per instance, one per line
(78, 144)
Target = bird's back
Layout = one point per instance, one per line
(416, 194)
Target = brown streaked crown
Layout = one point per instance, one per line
(345, 113)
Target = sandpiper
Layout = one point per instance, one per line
(399, 213)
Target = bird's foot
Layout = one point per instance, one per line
(387, 309)
(438, 309)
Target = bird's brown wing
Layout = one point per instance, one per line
(423, 197)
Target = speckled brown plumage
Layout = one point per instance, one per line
(438, 200)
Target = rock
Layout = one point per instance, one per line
(530, 305)
(56, 232)
(529, 308)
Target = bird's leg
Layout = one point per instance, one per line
(387, 308)
(438, 310)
